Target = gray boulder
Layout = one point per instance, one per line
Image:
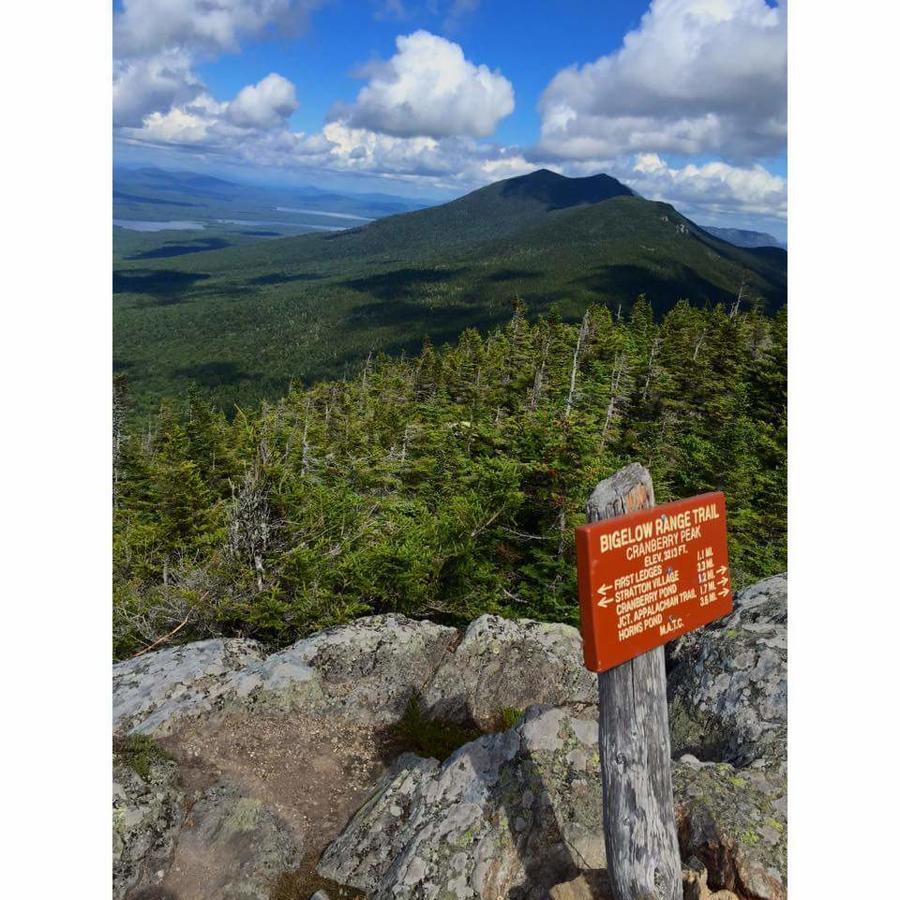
(147, 812)
(154, 690)
(510, 663)
(367, 670)
(517, 813)
(230, 847)
(734, 822)
(509, 815)
(728, 682)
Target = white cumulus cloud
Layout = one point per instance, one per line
(144, 27)
(454, 161)
(266, 104)
(429, 89)
(145, 85)
(697, 76)
(711, 189)
(157, 44)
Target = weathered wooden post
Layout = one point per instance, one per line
(635, 751)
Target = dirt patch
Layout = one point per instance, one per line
(309, 773)
(302, 883)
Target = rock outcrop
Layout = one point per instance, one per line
(728, 682)
(152, 691)
(367, 670)
(502, 663)
(230, 847)
(735, 822)
(516, 813)
(147, 813)
(508, 815)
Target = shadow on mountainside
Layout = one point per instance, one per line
(170, 248)
(402, 283)
(214, 373)
(664, 290)
(166, 286)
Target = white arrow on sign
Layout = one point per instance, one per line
(723, 582)
(722, 570)
(604, 601)
(723, 592)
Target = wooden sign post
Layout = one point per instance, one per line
(643, 580)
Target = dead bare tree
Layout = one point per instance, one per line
(698, 345)
(616, 395)
(365, 373)
(538, 384)
(305, 454)
(119, 408)
(736, 306)
(579, 346)
(252, 523)
(654, 347)
(405, 445)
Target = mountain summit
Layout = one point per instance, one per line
(498, 210)
(557, 191)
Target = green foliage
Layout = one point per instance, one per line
(139, 752)
(508, 717)
(301, 884)
(447, 484)
(428, 737)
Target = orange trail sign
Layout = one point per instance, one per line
(650, 576)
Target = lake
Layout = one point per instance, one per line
(140, 225)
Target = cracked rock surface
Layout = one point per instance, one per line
(508, 815)
(516, 813)
(503, 663)
(146, 815)
(727, 682)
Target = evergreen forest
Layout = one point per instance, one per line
(444, 484)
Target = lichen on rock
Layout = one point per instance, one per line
(516, 813)
(153, 691)
(727, 682)
(147, 812)
(510, 814)
(510, 663)
(734, 821)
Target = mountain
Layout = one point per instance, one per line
(741, 237)
(244, 321)
(161, 214)
(227, 207)
(500, 209)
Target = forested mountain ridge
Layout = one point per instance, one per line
(245, 321)
(445, 484)
(742, 237)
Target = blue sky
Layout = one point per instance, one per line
(684, 100)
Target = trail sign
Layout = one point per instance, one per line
(649, 576)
